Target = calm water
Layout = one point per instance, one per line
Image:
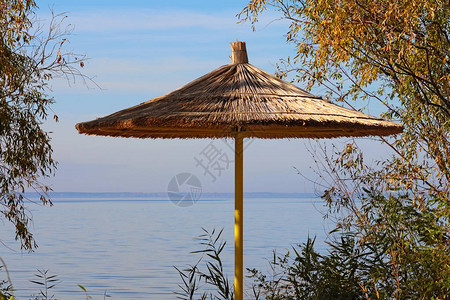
(128, 247)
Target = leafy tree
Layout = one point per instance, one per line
(392, 52)
(384, 246)
(396, 213)
(29, 59)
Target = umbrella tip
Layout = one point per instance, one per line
(238, 53)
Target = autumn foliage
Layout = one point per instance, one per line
(392, 236)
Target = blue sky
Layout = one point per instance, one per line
(139, 50)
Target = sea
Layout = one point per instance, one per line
(128, 247)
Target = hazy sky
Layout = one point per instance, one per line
(139, 50)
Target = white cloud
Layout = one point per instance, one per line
(141, 20)
(128, 74)
(138, 20)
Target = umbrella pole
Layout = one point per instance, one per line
(238, 218)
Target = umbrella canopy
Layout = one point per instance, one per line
(238, 97)
(238, 101)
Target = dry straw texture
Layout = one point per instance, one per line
(238, 97)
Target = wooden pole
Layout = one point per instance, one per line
(238, 219)
(238, 53)
(238, 56)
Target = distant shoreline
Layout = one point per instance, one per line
(79, 195)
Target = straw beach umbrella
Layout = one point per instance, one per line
(238, 101)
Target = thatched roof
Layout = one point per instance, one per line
(238, 97)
